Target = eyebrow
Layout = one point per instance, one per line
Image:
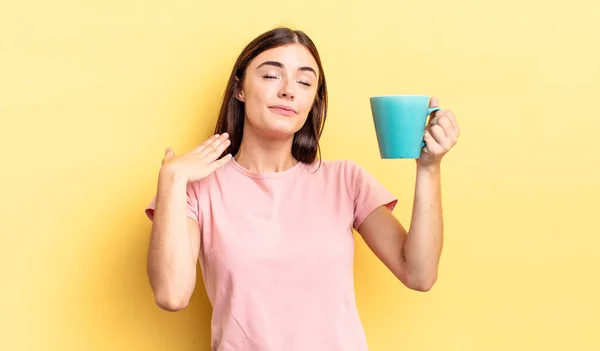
(280, 65)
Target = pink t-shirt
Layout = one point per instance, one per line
(277, 254)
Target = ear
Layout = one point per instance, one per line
(239, 91)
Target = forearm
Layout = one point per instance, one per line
(171, 266)
(423, 245)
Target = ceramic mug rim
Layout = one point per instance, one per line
(398, 95)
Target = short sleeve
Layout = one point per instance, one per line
(192, 203)
(368, 193)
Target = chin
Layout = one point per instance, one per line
(277, 126)
(280, 129)
(280, 132)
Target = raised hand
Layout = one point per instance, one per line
(199, 162)
(441, 134)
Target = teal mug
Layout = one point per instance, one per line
(400, 122)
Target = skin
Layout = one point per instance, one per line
(414, 255)
(288, 76)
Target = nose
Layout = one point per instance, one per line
(286, 91)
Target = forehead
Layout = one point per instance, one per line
(291, 56)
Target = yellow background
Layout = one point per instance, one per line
(92, 92)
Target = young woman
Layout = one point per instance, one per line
(271, 224)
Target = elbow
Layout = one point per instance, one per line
(423, 287)
(171, 302)
(169, 294)
(421, 284)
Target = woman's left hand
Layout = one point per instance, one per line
(441, 134)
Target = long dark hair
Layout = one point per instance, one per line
(231, 115)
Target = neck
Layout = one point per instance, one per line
(263, 154)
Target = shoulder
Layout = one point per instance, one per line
(335, 166)
(222, 175)
(343, 171)
(354, 175)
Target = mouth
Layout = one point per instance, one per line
(283, 110)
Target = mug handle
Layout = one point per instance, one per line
(429, 112)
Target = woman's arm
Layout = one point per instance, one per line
(175, 240)
(412, 256)
(174, 245)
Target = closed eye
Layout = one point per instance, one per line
(270, 76)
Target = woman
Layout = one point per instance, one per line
(271, 225)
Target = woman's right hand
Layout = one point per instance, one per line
(199, 162)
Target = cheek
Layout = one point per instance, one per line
(257, 100)
(253, 105)
(307, 103)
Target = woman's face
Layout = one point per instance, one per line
(279, 90)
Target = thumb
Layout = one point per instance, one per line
(434, 102)
(169, 154)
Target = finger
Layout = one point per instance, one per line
(452, 119)
(220, 162)
(431, 146)
(454, 123)
(213, 144)
(434, 121)
(446, 125)
(169, 154)
(436, 116)
(434, 102)
(206, 143)
(217, 151)
(440, 137)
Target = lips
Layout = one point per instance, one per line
(283, 110)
